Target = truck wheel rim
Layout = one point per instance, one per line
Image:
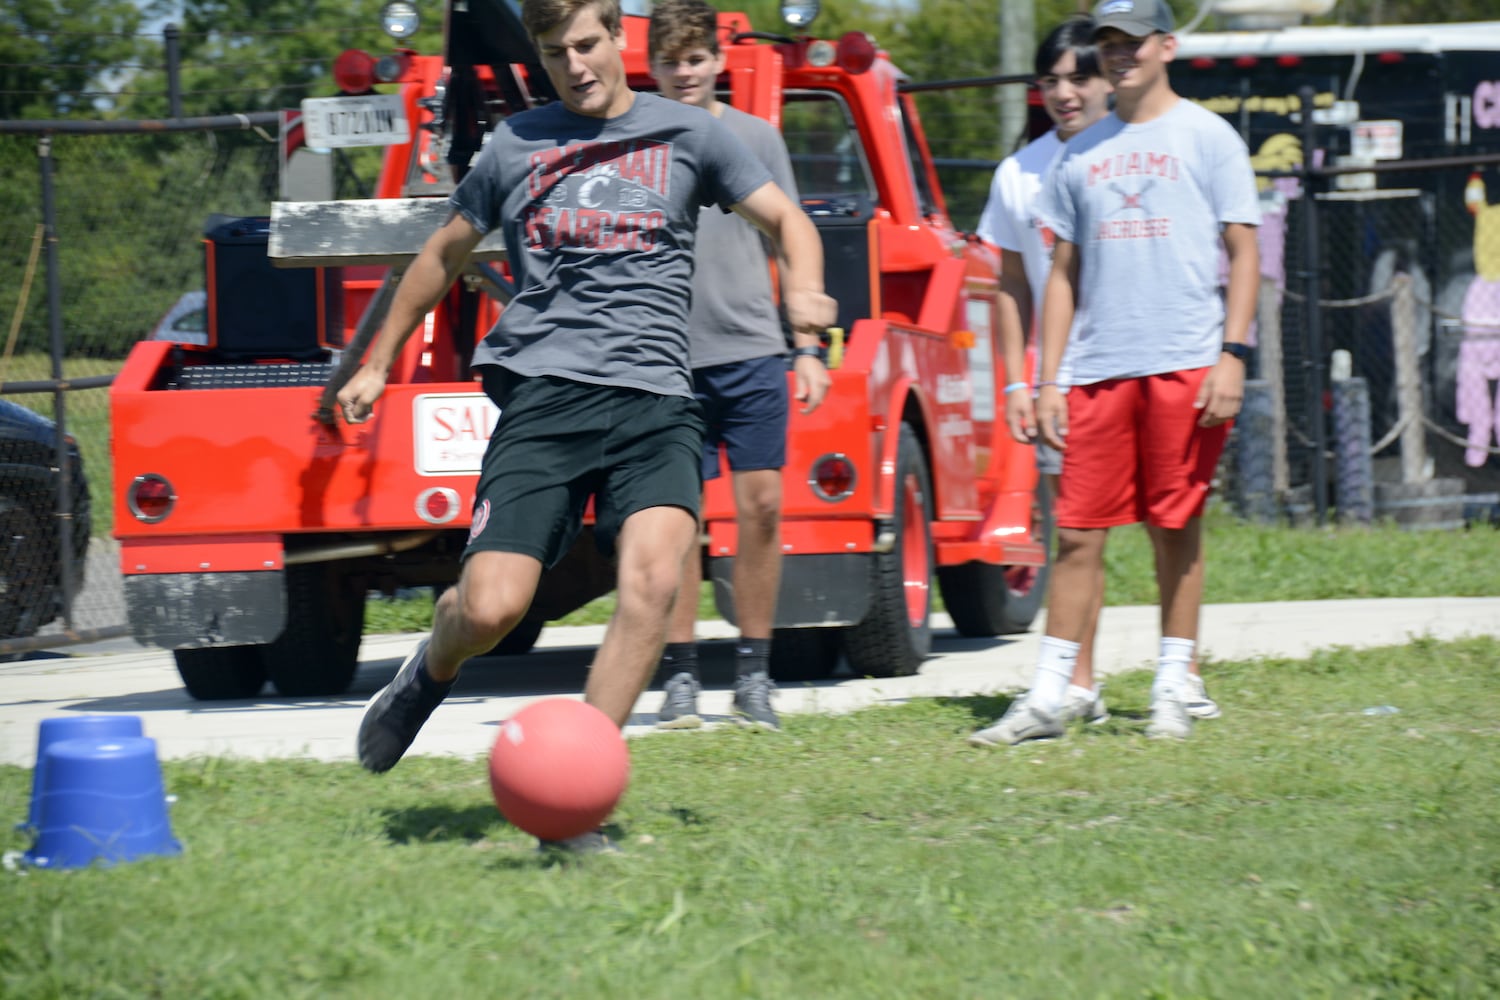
(1020, 579)
(915, 565)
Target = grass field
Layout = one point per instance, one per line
(87, 420)
(1297, 847)
(1247, 562)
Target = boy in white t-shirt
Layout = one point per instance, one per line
(1075, 95)
(1133, 324)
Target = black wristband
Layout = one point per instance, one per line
(808, 351)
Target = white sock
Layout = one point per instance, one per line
(1172, 666)
(1054, 669)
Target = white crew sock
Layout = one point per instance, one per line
(1172, 667)
(1054, 668)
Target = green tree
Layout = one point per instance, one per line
(264, 55)
(53, 51)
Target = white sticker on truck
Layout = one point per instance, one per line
(450, 432)
(979, 313)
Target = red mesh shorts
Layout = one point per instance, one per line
(1136, 453)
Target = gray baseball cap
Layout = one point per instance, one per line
(1137, 18)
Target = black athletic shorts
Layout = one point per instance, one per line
(745, 407)
(559, 442)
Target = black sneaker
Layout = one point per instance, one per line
(593, 842)
(396, 713)
(679, 709)
(752, 701)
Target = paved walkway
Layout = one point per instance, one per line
(145, 683)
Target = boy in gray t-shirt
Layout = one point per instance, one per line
(1140, 203)
(598, 197)
(739, 376)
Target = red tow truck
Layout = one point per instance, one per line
(253, 524)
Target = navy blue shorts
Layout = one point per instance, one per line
(745, 406)
(559, 442)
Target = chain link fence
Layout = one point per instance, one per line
(1378, 317)
(101, 240)
(1373, 392)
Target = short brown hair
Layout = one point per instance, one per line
(541, 16)
(679, 26)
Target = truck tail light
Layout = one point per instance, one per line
(354, 71)
(856, 52)
(437, 505)
(832, 477)
(151, 498)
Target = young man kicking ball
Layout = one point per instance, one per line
(589, 361)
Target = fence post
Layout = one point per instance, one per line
(1409, 408)
(1312, 306)
(1268, 348)
(1255, 442)
(170, 35)
(1354, 470)
(59, 393)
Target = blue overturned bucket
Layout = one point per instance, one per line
(73, 727)
(101, 800)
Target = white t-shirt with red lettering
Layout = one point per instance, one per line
(1145, 204)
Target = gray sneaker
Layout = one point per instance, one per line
(752, 701)
(1199, 704)
(1021, 722)
(396, 714)
(679, 709)
(593, 842)
(1169, 716)
(1088, 707)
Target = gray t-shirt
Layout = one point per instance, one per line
(1145, 205)
(734, 316)
(600, 218)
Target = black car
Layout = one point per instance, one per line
(30, 561)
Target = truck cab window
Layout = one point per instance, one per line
(827, 156)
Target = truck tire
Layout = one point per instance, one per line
(28, 569)
(984, 599)
(805, 654)
(216, 673)
(317, 654)
(896, 635)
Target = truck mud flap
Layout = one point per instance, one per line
(816, 589)
(190, 610)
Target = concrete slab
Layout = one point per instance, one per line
(145, 682)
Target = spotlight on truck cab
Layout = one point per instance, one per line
(400, 19)
(799, 13)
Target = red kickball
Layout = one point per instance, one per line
(558, 767)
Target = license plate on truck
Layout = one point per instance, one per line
(451, 431)
(371, 120)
